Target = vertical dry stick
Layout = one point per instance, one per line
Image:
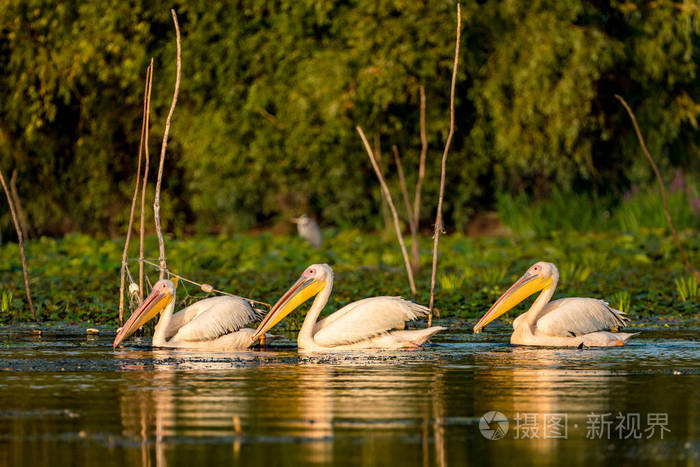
(402, 183)
(387, 196)
(156, 202)
(378, 146)
(378, 154)
(677, 241)
(122, 275)
(404, 191)
(145, 181)
(21, 244)
(438, 216)
(21, 214)
(421, 175)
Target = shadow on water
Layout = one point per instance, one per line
(72, 400)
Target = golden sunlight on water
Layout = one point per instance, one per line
(88, 405)
(305, 404)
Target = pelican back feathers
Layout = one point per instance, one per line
(364, 319)
(571, 317)
(211, 318)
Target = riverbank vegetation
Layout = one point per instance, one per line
(75, 279)
(544, 157)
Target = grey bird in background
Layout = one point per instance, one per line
(309, 230)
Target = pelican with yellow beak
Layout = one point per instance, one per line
(371, 323)
(214, 324)
(567, 322)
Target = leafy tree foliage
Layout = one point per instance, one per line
(271, 93)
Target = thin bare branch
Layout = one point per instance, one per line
(21, 214)
(390, 202)
(21, 244)
(156, 202)
(421, 175)
(386, 214)
(378, 147)
(147, 161)
(402, 183)
(438, 217)
(206, 287)
(122, 276)
(676, 240)
(412, 224)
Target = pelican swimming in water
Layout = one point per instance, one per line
(567, 322)
(370, 323)
(214, 323)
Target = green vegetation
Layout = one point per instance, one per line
(621, 301)
(574, 212)
(271, 92)
(264, 130)
(6, 302)
(688, 288)
(76, 278)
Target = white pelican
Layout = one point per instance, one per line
(567, 322)
(214, 323)
(370, 323)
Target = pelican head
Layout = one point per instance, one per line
(161, 296)
(312, 281)
(540, 276)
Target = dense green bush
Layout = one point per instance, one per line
(572, 212)
(271, 93)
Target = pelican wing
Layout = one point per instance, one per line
(570, 317)
(364, 319)
(181, 318)
(211, 318)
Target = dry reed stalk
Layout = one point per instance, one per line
(421, 175)
(21, 214)
(21, 244)
(390, 202)
(208, 288)
(412, 224)
(156, 202)
(676, 240)
(438, 217)
(122, 275)
(386, 214)
(145, 181)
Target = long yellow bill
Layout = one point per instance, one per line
(301, 291)
(527, 285)
(151, 306)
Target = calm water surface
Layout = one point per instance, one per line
(70, 400)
